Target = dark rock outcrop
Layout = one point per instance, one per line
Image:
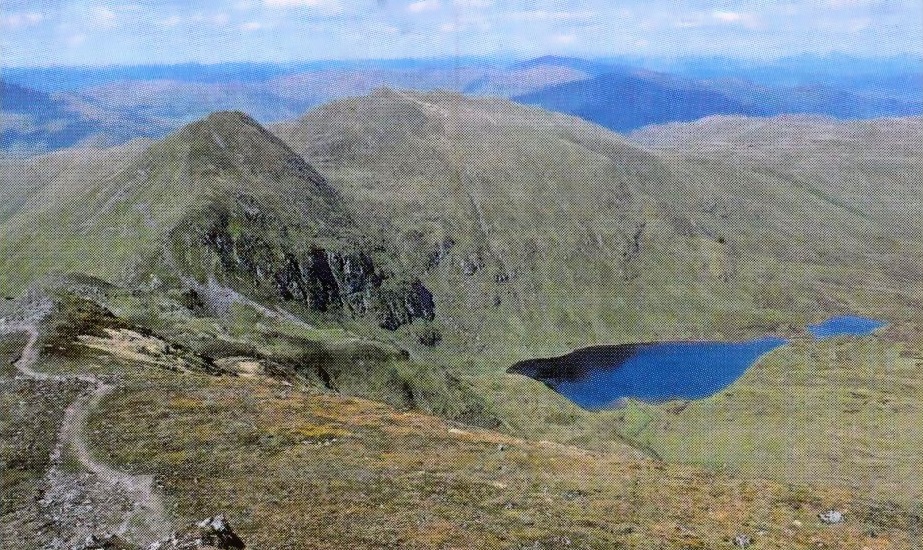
(324, 280)
(111, 542)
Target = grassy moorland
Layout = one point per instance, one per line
(298, 470)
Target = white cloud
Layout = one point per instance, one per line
(171, 21)
(690, 22)
(104, 17)
(251, 26)
(851, 3)
(728, 16)
(217, 19)
(860, 24)
(472, 4)
(295, 3)
(214, 19)
(18, 20)
(330, 7)
(76, 39)
(543, 15)
(423, 6)
(736, 18)
(564, 39)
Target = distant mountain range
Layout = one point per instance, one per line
(33, 122)
(623, 101)
(627, 99)
(48, 109)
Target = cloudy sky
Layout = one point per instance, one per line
(97, 32)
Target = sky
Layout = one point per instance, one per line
(104, 32)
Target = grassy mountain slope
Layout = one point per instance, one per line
(870, 166)
(538, 233)
(519, 232)
(541, 233)
(474, 233)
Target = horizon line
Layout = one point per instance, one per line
(910, 56)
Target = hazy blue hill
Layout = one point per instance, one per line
(824, 99)
(282, 95)
(179, 102)
(905, 86)
(627, 99)
(35, 122)
(18, 98)
(57, 79)
(790, 71)
(312, 88)
(588, 66)
(624, 101)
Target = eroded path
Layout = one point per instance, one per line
(134, 509)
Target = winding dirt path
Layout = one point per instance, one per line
(147, 521)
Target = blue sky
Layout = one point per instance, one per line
(98, 32)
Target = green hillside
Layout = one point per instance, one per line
(538, 232)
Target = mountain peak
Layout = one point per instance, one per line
(234, 139)
(225, 128)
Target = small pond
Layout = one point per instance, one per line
(843, 326)
(603, 377)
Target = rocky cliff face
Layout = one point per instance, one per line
(254, 249)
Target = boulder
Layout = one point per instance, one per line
(743, 541)
(213, 533)
(831, 517)
(111, 542)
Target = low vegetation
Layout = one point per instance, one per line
(324, 471)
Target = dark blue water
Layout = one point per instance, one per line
(844, 325)
(602, 377)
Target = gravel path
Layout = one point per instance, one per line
(143, 516)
